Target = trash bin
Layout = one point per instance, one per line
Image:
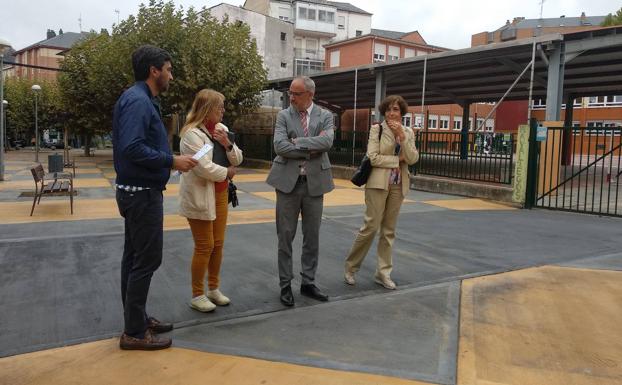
(55, 163)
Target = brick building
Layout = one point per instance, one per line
(45, 54)
(596, 111)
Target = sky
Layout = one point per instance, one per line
(445, 23)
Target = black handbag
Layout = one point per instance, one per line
(361, 175)
(233, 195)
(220, 158)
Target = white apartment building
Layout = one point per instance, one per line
(274, 37)
(316, 23)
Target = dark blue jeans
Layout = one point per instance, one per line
(142, 253)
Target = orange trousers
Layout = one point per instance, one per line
(209, 238)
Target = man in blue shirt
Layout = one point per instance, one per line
(142, 161)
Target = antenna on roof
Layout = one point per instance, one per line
(80, 22)
(541, 7)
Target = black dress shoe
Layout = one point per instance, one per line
(287, 297)
(312, 291)
(158, 327)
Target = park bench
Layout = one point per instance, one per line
(59, 184)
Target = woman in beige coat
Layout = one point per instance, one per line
(385, 189)
(203, 195)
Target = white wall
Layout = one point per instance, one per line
(353, 22)
(267, 34)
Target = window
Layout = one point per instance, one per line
(283, 65)
(409, 52)
(326, 16)
(457, 123)
(616, 99)
(334, 58)
(359, 32)
(302, 13)
(479, 124)
(596, 101)
(407, 120)
(311, 14)
(444, 123)
(311, 46)
(490, 125)
(379, 52)
(394, 53)
(284, 13)
(432, 121)
(283, 36)
(341, 22)
(538, 104)
(418, 121)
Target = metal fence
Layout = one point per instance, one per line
(489, 156)
(582, 175)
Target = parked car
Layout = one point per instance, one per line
(53, 145)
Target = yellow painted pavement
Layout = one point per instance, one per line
(77, 183)
(103, 363)
(468, 204)
(541, 326)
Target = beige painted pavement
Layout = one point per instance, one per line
(102, 362)
(542, 326)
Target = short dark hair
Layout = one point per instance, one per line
(146, 56)
(388, 102)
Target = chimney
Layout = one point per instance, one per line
(50, 34)
(507, 22)
(517, 20)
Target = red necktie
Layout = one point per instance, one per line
(303, 121)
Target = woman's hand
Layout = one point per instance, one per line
(397, 129)
(221, 136)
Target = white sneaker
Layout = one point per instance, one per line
(201, 303)
(218, 298)
(349, 278)
(385, 281)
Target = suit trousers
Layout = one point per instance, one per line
(381, 212)
(209, 239)
(142, 253)
(288, 207)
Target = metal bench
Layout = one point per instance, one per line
(61, 184)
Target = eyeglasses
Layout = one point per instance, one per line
(294, 93)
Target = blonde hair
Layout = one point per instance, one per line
(205, 103)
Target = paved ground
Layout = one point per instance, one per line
(487, 294)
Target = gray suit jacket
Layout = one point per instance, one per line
(310, 151)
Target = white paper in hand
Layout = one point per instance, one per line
(199, 154)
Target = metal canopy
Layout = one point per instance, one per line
(593, 66)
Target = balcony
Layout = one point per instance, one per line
(315, 28)
(309, 54)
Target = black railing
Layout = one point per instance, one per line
(487, 157)
(581, 173)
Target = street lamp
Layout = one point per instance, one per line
(3, 46)
(36, 89)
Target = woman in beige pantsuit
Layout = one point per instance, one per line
(385, 190)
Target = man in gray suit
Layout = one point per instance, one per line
(301, 174)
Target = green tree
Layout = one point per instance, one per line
(21, 109)
(206, 54)
(613, 19)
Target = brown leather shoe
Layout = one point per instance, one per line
(157, 326)
(150, 342)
